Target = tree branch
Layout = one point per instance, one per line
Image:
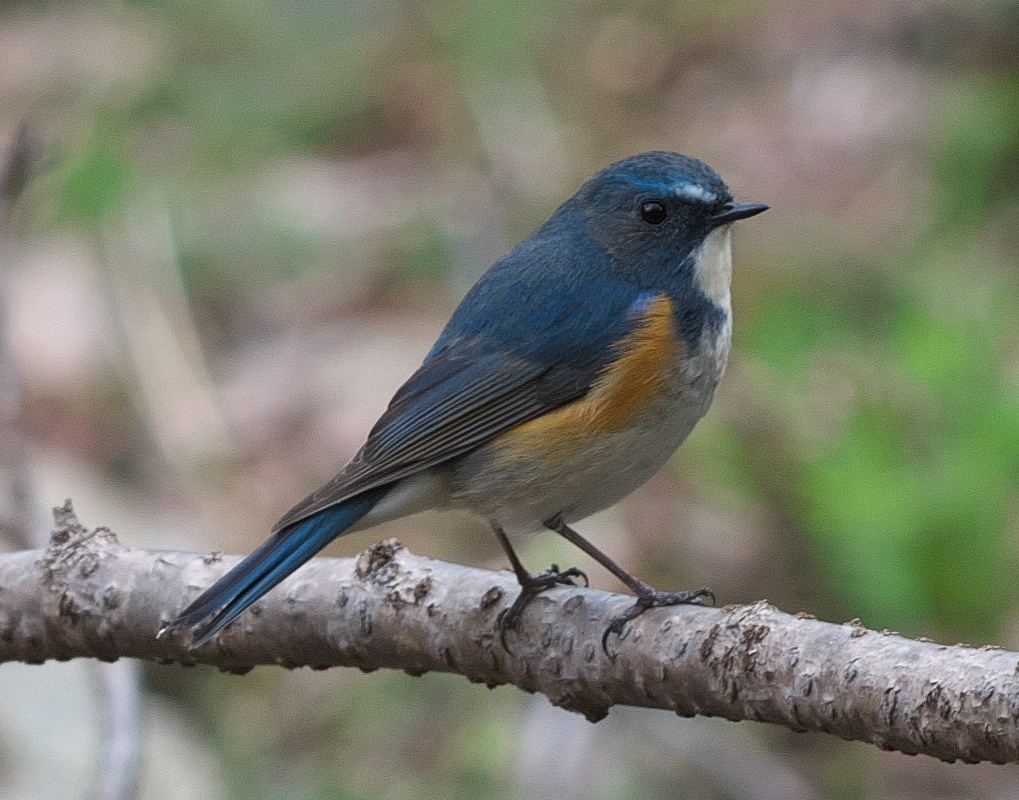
(87, 596)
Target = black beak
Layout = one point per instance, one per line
(733, 211)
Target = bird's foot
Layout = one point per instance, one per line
(531, 587)
(653, 598)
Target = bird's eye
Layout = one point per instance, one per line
(653, 212)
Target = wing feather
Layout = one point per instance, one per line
(446, 409)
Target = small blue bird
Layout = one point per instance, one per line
(572, 370)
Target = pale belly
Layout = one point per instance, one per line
(519, 489)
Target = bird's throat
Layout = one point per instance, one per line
(713, 266)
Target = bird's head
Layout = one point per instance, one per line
(664, 214)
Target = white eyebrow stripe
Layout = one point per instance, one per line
(694, 191)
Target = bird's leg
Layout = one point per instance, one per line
(530, 585)
(647, 596)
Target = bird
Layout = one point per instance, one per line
(568, 375)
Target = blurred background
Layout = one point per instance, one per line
(252, 219)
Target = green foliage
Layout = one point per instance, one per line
(978, 166)
(910, 496)
(96, 180)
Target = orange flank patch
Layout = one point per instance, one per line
(622, 391)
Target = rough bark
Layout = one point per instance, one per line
(87, 596)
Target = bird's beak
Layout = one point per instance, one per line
(733, 211)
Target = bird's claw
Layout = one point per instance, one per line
(531, 588)
(653, 598)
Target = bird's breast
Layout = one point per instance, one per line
(589, 454)
(641, 371)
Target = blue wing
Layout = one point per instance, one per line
(526, 340)
(521, 344)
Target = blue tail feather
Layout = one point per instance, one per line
(270, 564)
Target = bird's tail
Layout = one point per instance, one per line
(284, 552)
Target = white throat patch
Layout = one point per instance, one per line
(713, 266)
